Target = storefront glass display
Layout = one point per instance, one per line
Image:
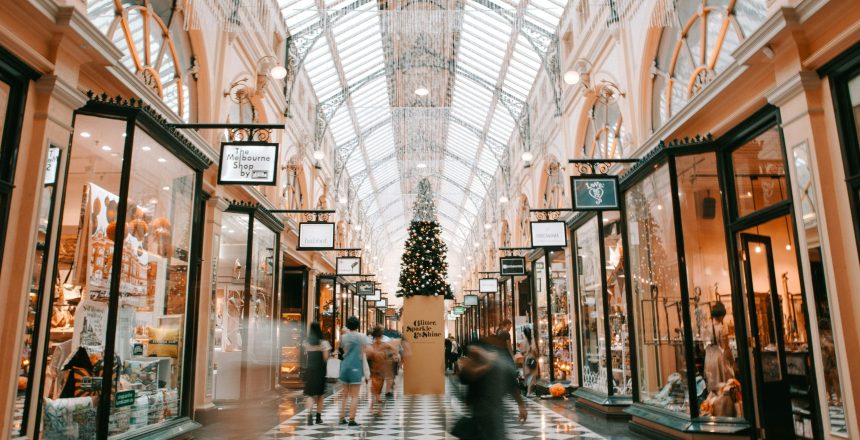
(759, 173)
(810, 242)
(38, 286)
(326, 308)
(245, 351)
(563, 348)
(656, 290)
(616, 298)
(119, 313)
(715, 346)
(591, 314)
(541, 322)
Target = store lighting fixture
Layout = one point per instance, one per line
(527, 156)
(788, 247)
(357, 228)
(421, 165)
(476, 245)
(757, 249)
(162, 160)
(503, 199)
(421, 91)
(278, 72)
(319, 155)
(85, 134)
(146, 148)
(342, 200)
(572, 77)
(124, 134)
(106, 148)
(166, 188)
(231, 231)
(488, 225)
(659, 207)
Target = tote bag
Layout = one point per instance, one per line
(332, 368)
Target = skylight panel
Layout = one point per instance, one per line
(299, 15)
(458, 171)
(477, 188)
(341, 127)
(502, 125)
(544, 14)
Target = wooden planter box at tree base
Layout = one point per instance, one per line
(423, 322)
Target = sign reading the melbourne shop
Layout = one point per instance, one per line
(594, 193)
(512, 266)
(316, 236)
(247, 163)
(548, 234)
(364, 288)
(488, 285)
(348, 265)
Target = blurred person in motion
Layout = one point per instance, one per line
(317, 352)
(530, 360)
(380, 356)
(504, 332)
(353, 344)
(488, 370)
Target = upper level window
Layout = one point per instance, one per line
(697, 48)
(605, 137)
(149, 34)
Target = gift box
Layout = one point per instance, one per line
(68, 419)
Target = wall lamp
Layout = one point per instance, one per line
(580, 74)
(269, 67)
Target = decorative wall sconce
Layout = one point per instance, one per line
(580, 74)
(269, 67)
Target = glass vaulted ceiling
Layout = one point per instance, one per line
(378, 53)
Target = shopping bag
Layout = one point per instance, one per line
(332, 368)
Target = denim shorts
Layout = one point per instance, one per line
(351, 375)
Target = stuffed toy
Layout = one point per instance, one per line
(161, 237)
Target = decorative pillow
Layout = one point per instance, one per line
(79, 376)
(163, 342)
(67, 419)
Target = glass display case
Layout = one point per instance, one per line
(541, 325)
(120, 327)
(563, 346)
(601, 297)
(245, 350)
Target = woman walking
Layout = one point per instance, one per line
(353, 344)
(530, 360)
(317, 351)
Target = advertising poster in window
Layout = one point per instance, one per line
(247, 163)
(548, 234)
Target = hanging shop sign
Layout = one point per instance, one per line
(382, 304)
(594, 192)
(509, 266)
(459, 310)
(390, 312)
(470, 300)
(348, 265)
(377, 295)
(488, 285)
(247, 163)
(548, 234)
(316, 236)
(364, 288)
(51, 165)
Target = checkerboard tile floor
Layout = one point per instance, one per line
(423, 417)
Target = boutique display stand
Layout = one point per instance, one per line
(424, 332)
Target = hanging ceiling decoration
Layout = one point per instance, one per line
(414, 89)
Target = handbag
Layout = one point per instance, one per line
(332, 368)
(531, 363)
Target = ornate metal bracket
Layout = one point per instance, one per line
(315, 215)
(551, 214)
(597, 166)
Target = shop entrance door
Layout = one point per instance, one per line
(767, 347)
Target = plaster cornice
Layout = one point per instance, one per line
(788, 89)
(62, 91)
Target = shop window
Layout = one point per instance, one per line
(693, 51)
(145, 30)
(245, 350)
(592, 332)
(656, 290)
(541, 323)
(605, 137)
(715, 345)
(759, 173)
(120, 308)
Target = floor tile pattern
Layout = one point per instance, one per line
(424, 417)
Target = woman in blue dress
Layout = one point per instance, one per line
(353, 345)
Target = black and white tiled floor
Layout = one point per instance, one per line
(424, 418)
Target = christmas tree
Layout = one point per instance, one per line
(424, 269)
